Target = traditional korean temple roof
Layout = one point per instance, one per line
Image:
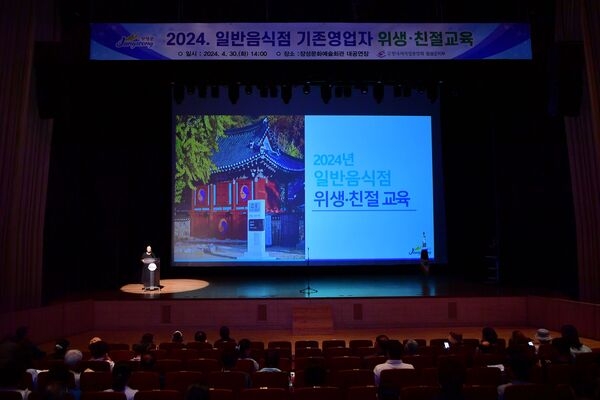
(249, 146)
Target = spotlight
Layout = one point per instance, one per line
(233, 91)
(378, 92)
(306, 88)
(364, 89)
(214, 91)
(248, 89)
(326, 92)
(286, 93)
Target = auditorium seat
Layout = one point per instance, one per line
(303, 344)
(343, 362)
(344, 378)
(95, 381)
(271, 379)
(264, 394)
(419, 392)
(164, 394)
(317, 393)
(181, 380)
(220, 394)
(102, 395)
(144, 380)
(481, 392)
(364, 392)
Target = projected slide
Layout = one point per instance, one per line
(292, 189)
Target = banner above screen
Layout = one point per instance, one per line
(310, 41)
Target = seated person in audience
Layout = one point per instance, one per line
(12, 368)
(271, 361)
(455, 339)
(197, 392)
(411, 347)
(27, 350)
(542, 341)
(520, 368)
(379, 344)
(228, 359)
(200, 337)
(571, 336)
(99, 351)
(147, 342)
(121, 373)
(177, 337)
(60, 348)
(58, 384)
(518, 338)
(73, 359)
(489, 340)
(225, 338)
(394, 351)
(147, 361)
(452, 375)
(244, 348)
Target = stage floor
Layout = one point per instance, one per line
(363, 285)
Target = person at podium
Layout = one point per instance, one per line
(147, 254)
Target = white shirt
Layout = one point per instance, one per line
(389, 364)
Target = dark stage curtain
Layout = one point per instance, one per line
(24, 152)
(579, 21)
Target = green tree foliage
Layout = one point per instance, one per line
(196, 140)
(289, 134)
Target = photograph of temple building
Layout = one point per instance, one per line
(251, 161)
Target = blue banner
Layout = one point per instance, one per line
(310, 41)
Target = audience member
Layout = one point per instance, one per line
(197, 392)
(571, 336)
(60, 349)
(520, 366)
(411, 347)
(12, 368)
(147, 361)
(99, 351)
(27, 350)
(73, 359)
(518, 338)
(200, 336)
(244, 348)
(121, 373)
(271, 361)
(59, 384)
(489, 340)
(177, 337)
(379, 344)
(228, 360)
(225, 339)
(452, 376)
(147, 342)
(394, 359)
(455, 339)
